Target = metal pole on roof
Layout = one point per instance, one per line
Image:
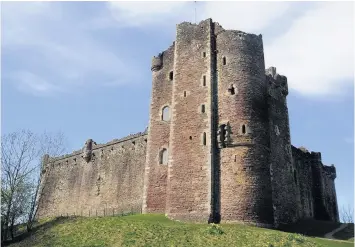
(195, 13)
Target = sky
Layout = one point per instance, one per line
(83, 68)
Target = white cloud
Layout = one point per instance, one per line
(316, 53)
(314, 47)
(245, 16)
(32, 83)
(54, 51)
(136, 14)
(315, 50)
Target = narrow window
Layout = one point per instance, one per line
(243, 129)
(203, 108)
(165, 114)
(184, 93)
(190, 137)
(224, 61)
(231, 89)
(171, 75)
(204, 81)
(204, 54)
(204, 138)
(163, 157)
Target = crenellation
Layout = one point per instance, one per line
(217, 147)
(97, 146)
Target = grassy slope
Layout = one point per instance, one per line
(156, 230)
(311, 227)
(346, 234)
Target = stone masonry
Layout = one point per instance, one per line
(217, 149)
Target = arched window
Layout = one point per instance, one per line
(204, 81)
(171, 75)
(224, 61)
(163, 157)
(165, 114)
(243, 129)
(204, 138)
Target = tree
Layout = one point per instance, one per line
(347, 214)
(49, 145)
(21, 153)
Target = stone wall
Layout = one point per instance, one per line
(302, 177)
(155, 184)
(246, 193)
(285, 191)
(217, 149)
(106, 179)
(189, 186)
(330, 199)
(316, 186)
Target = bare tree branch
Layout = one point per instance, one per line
(21, 154)
(347, 214)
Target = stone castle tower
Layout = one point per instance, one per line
(217, 148)
(222, 121)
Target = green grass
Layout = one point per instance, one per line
(311, 227)
(157, 230)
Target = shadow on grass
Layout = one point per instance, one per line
(315, 228)
(346, 234)
(38, 227)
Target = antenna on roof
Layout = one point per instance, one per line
(195, 12)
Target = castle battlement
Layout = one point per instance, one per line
(48, 159)
(218, 147)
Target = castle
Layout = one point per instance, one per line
(217, 148)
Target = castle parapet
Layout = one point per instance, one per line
(94, 147)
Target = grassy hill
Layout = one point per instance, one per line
(317, 228)
(157, 230)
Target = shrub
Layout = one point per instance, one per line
(214, 229)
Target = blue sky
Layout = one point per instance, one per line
(83, 68)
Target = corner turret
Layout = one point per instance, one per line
(157, 62)
(87, 151)
(44, 162)
(277, 83)
(330, 171)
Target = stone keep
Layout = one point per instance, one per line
(217, 148)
